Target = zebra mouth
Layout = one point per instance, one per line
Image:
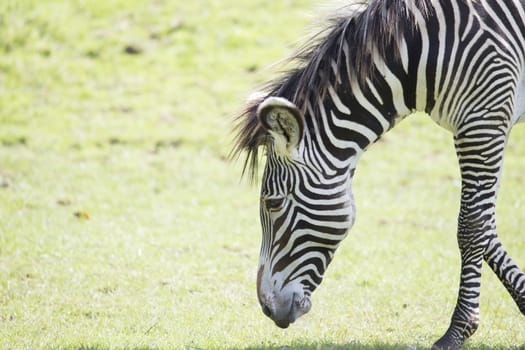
(301, 306)
(282, 323)
(298, 308)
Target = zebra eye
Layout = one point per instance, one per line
(274, 204)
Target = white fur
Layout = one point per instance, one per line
(274, 101)
(519, 110)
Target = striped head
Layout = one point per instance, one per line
(306, 210)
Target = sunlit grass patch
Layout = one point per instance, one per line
(123, 226)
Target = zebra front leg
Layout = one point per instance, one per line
(472, 242)
(480, 155)
(507, 271)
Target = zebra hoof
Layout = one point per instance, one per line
(447, 343)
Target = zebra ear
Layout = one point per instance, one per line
(284, 121)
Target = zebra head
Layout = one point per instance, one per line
(306, 210)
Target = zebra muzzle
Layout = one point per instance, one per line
(285, 312)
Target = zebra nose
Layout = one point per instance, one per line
(285, 309)
(275, 313)
(266, 310)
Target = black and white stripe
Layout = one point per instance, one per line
(460, 61)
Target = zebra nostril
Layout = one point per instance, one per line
(266, 310)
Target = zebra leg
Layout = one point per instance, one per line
(480, 154)
(472, 242)
(507, 271)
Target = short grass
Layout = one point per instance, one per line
(123, 226)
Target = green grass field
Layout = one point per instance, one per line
(124, 226)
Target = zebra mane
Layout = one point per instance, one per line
(367, 28)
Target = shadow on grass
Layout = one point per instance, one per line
(349, 346)
(376, 346)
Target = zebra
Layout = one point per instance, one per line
(462, 62)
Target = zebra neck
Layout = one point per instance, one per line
(350, 117)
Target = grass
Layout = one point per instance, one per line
(122, 225)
